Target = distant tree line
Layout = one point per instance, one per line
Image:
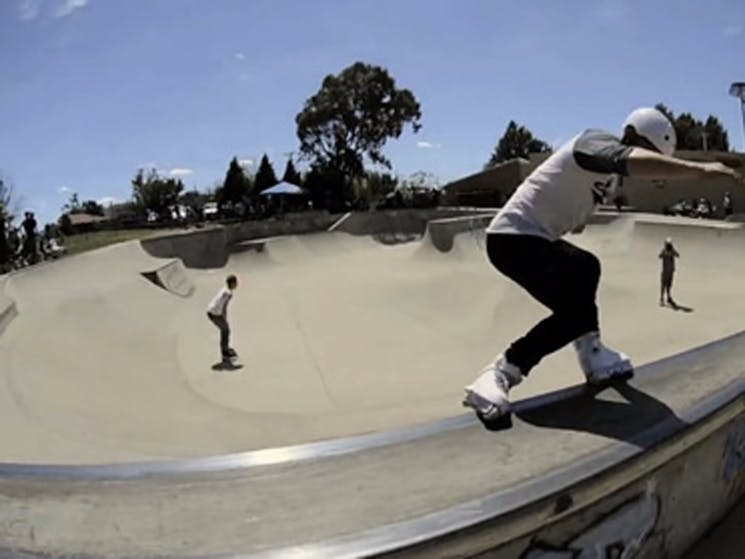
(342, 130)
(697, 135)
(692, 134)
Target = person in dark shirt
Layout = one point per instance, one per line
(668, 256)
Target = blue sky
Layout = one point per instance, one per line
(92, 89)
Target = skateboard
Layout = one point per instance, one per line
(228, 362)
(505, 421)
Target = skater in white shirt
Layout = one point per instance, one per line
(524, 242)
(217, 312)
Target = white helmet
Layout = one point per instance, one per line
(655, 127)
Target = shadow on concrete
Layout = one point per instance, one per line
(628, 414)
(682, 308)
(226, 366)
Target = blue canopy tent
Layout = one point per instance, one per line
(283, 188)
(284, 191)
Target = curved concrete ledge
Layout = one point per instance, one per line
(8, 308)
(649, 464)
(173, 278)
(442, 232)
(203, 248)
(403, 222)
(211, 247)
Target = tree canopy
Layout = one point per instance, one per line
(155, 193)
(352, 116)
(517, 141)
(697, 135)
(291, 175)
(6, 195)
(75, 206)
(236, 186)
(265, 176)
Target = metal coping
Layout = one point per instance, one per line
(329, 448)
(469, 515)
(441, 524)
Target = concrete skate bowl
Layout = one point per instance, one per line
(124, 442)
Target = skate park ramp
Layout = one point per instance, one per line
(352, 358)
(173, 278)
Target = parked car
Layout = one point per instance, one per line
(210, 211)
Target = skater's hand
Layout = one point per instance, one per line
(720, 170)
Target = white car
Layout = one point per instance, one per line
(210, 210)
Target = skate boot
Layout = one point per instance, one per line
(599, 363)
(488, 394)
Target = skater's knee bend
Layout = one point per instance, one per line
(580, 317)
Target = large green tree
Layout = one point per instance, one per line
(75, 206)
(352, 116)
(517, 141)
(235, 186)
(378, 185)
(155, 193)
(6, 197)
(328, 188)
(291, 175)
(696, 135)
(265, 176)
(6, 192)
(92, 207)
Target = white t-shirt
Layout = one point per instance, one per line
(561, 194)
(218, 304)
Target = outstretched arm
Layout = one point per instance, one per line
(647, 164)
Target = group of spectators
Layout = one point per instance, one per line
(25, 245)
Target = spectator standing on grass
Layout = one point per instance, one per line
(29, 227)
(727, 204)
(5, 252)
(668, 256)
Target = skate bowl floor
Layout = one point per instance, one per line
(337, 335)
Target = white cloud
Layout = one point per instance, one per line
(732, 30)
(28, 10)
(69, 6)
(245, 162)
(64, 190)
(240, 56)
(428, 145)
(180, 172)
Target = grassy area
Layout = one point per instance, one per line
(90, 241)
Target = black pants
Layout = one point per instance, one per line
(222, 324)
(558, 274)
